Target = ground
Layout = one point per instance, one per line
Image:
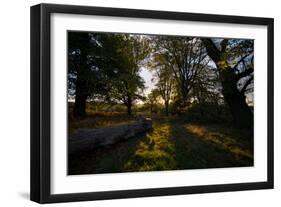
(173, 144)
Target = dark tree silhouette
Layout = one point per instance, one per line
(92, 64)
(105, 66)
(230, 74)
(79, 70)
(165, 85)
(186, 57)
(128, 87)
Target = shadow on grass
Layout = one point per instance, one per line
(148, 152)
(207, 150)
(155, 152)
(172, 145)
(109, 159)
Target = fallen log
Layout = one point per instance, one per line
(89, 139)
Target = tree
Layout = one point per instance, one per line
(78, 74)
(207, 88)
(185, 57)
(234, 62)
(165, 85)
(152, 100)
(129, 86)
(92, 60)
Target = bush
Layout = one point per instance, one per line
(207, 113)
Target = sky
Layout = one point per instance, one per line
(147, 76)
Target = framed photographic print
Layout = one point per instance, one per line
(133, 103)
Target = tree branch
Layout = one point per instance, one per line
(241, 60)
(245, 73)
(246, 84)
(224, 43)
(212, 49)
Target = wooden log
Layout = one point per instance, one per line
(89, 139)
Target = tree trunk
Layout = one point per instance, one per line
(129, 106)
(184, 95)
(81, 87)
(240, 111)
(79, 110)
(167, 108)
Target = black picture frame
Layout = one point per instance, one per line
(40, 102)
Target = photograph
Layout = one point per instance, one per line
(134, 102)
(147, 102)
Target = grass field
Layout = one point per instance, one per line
(173, 144)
